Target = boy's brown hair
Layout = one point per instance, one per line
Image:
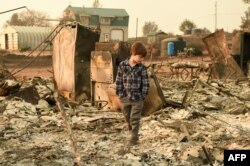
(138, 49)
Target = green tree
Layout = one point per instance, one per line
(149, 27)
(187, 25)
(245, 20)
(96, 4)
(29, 18)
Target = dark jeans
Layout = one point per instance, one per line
(132, 113)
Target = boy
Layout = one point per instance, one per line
(132, 86)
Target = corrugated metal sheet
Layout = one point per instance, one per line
(21, 37)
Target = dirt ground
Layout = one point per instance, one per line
(27, 67)
(42, 66)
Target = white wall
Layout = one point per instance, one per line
(2, 41)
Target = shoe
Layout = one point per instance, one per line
(133, 142)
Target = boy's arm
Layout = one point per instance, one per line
(119, 82)
(145, 83)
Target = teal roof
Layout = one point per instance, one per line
(76, 10)
(105, 12)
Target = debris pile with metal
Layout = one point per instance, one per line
(191, 123)
(215, 118)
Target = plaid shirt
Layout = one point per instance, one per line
(132, 82)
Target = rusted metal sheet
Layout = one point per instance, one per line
(101, 70)
(101, 67)
(236, 43)
(114, 101)
(110, 46)
(71, 60)
(223, 66)
(155, 98)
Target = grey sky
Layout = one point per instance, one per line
(168, 14)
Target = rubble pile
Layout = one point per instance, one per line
(214, 117)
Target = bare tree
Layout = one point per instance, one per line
(149, 27)
(96, 4)
(29, 18)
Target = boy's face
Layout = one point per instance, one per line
(137, 58)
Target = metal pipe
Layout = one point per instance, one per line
(12, 10)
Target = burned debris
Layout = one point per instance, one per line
(74, 118)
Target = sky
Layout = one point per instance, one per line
(167, 14)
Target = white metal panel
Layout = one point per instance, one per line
(7, 33)
(2, 41)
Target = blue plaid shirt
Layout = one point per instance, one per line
(132, 82)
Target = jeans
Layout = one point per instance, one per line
(132, 113)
